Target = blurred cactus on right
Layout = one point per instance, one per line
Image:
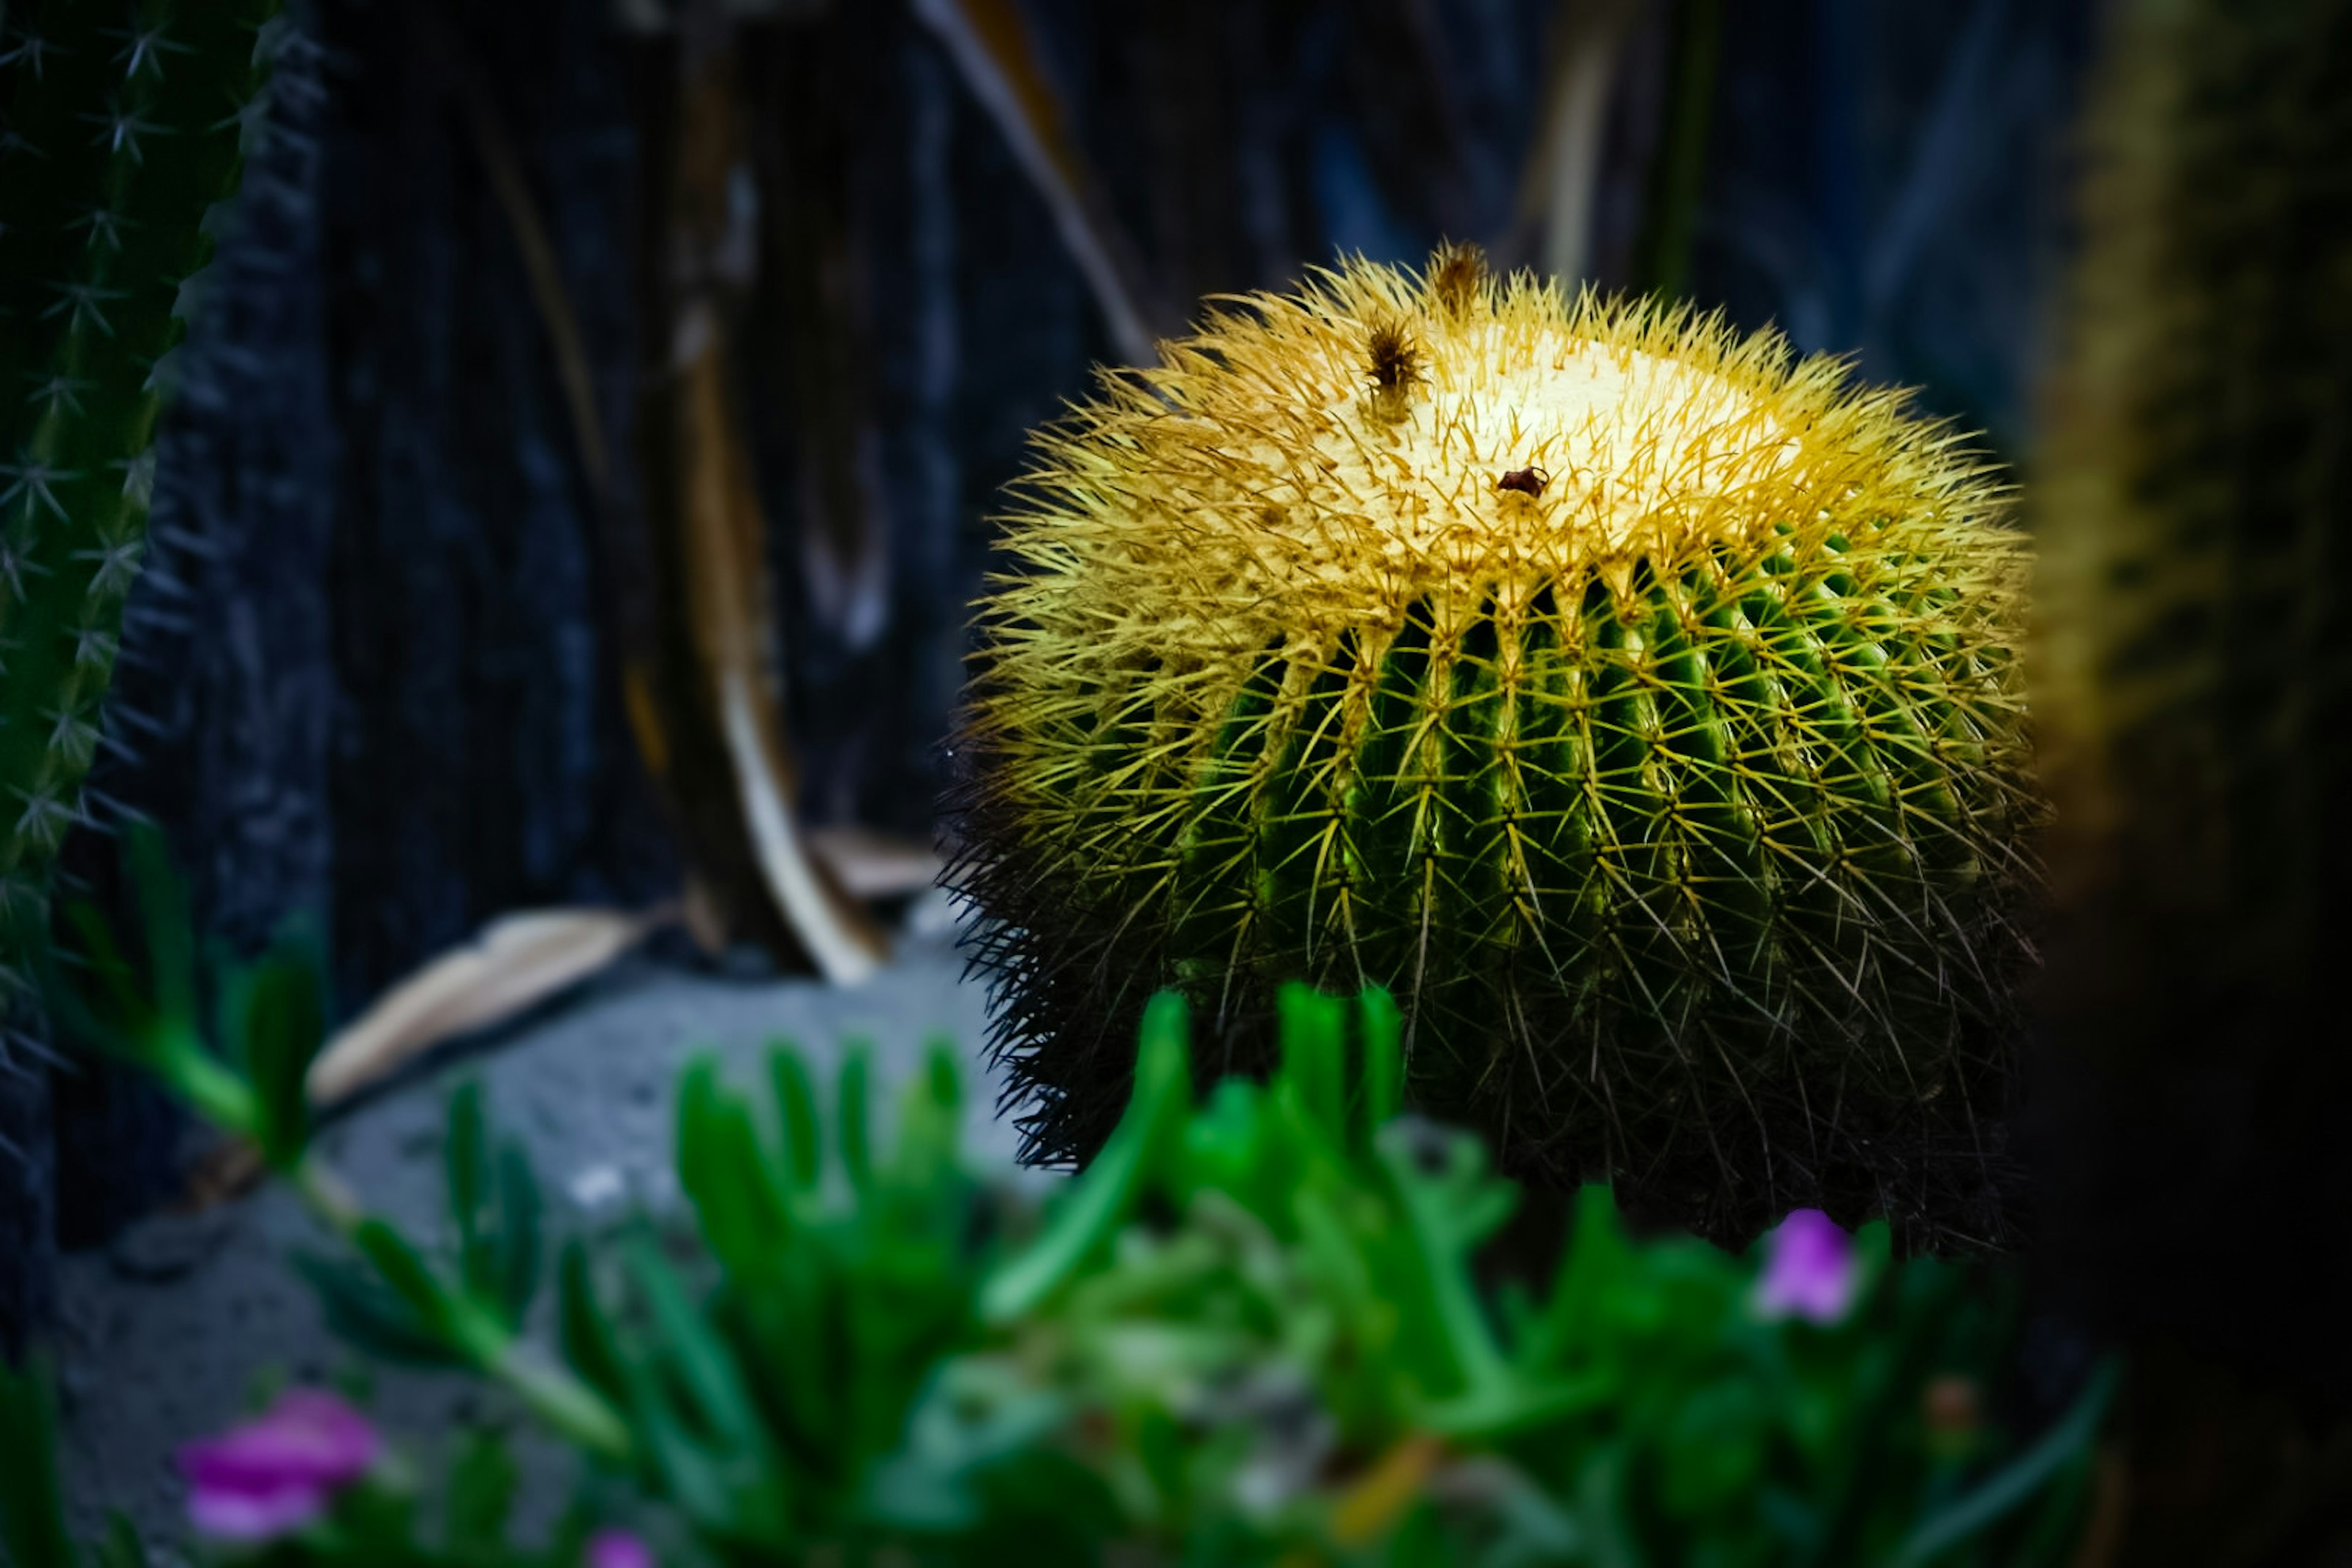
(2194, 522)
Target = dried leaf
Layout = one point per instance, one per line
(750, 871)
(716, 526)
(224, 1173)
(568, 344)
(547, 290)
(991, 44)
(1371, 1506)
(872, 865)
(807, 92)
(727, 598)
(1563, 176)
(519, 962)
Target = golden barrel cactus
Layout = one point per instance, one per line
(1636, 703)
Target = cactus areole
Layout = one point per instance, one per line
(1636, 703)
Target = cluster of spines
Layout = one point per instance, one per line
(123, 129)
(1147, 514)
(1642, 839)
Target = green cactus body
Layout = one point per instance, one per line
(1639, 707)
(124, 125)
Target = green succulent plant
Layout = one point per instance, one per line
(122, 130)
(1636, 703)
(1270, 1325)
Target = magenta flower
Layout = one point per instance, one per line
(280, 1471)
(617, 1549)
(1808, 1270)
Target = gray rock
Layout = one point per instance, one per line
(163, 1246)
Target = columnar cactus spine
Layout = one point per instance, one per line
(124, 133)
(1637, 705)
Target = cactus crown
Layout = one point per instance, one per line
(1636, 703)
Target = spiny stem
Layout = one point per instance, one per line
(98, 234)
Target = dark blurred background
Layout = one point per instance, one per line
(382, 665)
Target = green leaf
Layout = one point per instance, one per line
(1223, 1149)
(706, 1367)
(942, 1076)
(1591, 1266)
(169, 926)
(1601, 1490)
(692, 1481)
(517, 1275)
(272, 1013)
(125, 1028)
(1313, 1045)
(32, 1510)
(717, 1462)
(791, 1329)
(399, 1266)
(2014, 1483)
(1159, 1450)
(465, 1158)
(283, 1024)
(568, 1536)
(1101, 1198)
(211, 1090)
(584, 1334)
(966, 1421)
(373, 1525)
(1549, 1532)
(364, 1314)
(493, 1200)
(1383, 1099)
(923, 1154)
(717, 1204)
(738, 1198)
(232, 1000)
(1449, 1208)
(796, 1119)
(120, 1547)
(460, 1323)
(482, 1482)
(856, 1113)
(1508, 1406)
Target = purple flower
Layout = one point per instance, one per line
(280, 1471)
(1808, 1270)
(617, 1549)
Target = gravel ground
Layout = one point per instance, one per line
(164, 1334)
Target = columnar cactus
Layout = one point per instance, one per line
(1639, 706)
(125, 129)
